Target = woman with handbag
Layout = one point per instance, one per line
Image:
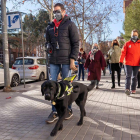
(95, 62)
(81, 61)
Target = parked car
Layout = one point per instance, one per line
(14, 76)
(35, 67)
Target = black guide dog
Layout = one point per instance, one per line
(64, 93)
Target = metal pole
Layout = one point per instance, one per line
(22, 48)
(5, 48)
(47, 55)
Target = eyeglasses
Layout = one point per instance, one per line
(56, 11)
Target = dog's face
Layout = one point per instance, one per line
(49, 90)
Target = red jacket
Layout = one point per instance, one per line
(131, 53)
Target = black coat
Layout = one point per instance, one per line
(68, 40)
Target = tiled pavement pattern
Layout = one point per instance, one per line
(111, 115)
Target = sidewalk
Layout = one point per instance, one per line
(111, 115)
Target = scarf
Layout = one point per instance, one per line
(56, 25)
(93, 52)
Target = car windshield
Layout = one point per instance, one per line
(26, 62)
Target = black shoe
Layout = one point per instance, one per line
(113, 86)
(69, 114)
(97, 87)
(119, 84)
(138, 86)
(52, 117)
(83, 79)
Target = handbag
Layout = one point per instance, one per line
(83, 61)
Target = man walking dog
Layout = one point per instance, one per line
(63, 44)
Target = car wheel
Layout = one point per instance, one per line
(42, 77)
(15, 80)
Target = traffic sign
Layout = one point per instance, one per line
(13, 21)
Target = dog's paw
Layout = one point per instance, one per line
(61, 127)
(79, 123)
(53, 133)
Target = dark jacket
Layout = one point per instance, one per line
(95, 65)
(82, 58)
(68, 40)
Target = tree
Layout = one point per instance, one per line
(34, 27)
(104, 47)
(90, 14)
(132, 19)
(87, 14)
(29, 28)
(46, 4)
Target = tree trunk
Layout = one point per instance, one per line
(83, 25)
(51, 13)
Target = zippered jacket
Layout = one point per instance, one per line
(130, 53)
(67, 39)
(114, 54)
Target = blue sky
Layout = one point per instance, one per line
(115, 27)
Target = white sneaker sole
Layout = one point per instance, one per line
(49, 122)
(69, 117)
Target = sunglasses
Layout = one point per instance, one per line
(56, 11)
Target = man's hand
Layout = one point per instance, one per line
(72, 65)
(121, 65)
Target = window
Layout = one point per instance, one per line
(41, 61)
(26, 62)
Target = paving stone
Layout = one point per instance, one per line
(111, 115)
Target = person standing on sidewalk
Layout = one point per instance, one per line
(95, 62)
(62, 36)
(114, 56)
(81, 61)
(131, 54)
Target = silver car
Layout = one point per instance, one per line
(35, 67)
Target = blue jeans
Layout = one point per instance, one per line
(131, 71)
(81, 68)
(54, 71)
